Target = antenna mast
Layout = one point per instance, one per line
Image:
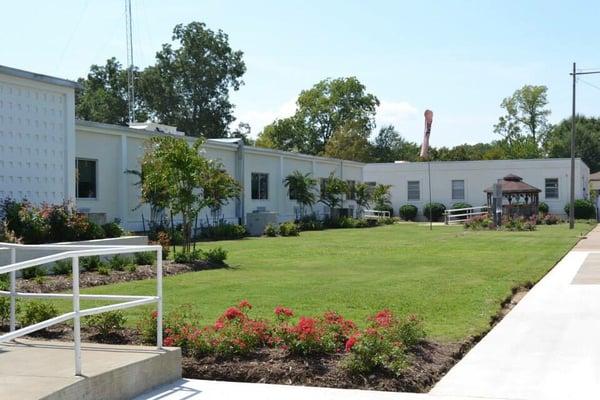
(130, 83)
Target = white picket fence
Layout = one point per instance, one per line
(460, 215)
(74, 252)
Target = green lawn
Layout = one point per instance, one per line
(454, 279)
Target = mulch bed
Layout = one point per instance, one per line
(60, 283)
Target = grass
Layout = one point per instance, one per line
(454, 279)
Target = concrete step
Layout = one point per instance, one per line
(45, 370)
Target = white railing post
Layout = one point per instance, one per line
(76, 317)
(13, 291)
(159, 295)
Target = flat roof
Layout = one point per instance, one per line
(19, 73)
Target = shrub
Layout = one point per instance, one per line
(188, 257)
(118, 262)
(385, 207)
(218, 255)
(551, 219)
(33, 272)
(162, 239)
(271, 230)
(408, 212)
(37, 311)
(104, 270)
(289, 229)
(223, 231)
(479, 222)
(4, 310)
(131, 268)
(383, 343)
(584, 209)
(437, 211)
(107, 323)
(461, 204)
(62, 267)
(544, 208)
(518, 224)
(112, 230)
(91, 231)
(91, 263)
(386, 221)
(146, 327)
(144, 258)
(310, 223)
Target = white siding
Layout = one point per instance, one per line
(36, 139)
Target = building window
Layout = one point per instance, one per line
(458, 189)
(551, 187)
(414, 190)
(351, 190)
(86, 179)
(260, 186)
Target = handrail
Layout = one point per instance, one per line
(450, 216)
(74, 252)
(367, 214)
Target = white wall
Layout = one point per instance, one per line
(477, 175)
(36, 139)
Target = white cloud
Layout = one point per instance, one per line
(401, 114)
(258, 119)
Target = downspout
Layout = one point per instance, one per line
(240, 158)
(342, 178)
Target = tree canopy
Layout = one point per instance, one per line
(587, 140)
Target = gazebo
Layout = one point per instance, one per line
(519, 198)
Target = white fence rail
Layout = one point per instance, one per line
(460, 215)
(375, 214)
(74, 252)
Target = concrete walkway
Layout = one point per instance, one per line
(547, 347)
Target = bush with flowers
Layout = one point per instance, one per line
(382, 344)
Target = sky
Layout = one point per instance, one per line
(457, 58)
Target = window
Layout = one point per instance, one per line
(551, 187)
(414, 190)
(323, 185)
(351, 190)
(260, 186)
(458, 189)
(86, 179)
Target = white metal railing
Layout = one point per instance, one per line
(375, 214)
(459, 215)
(74, 252)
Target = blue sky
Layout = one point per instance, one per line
(459, 58)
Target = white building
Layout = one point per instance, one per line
(43, 148)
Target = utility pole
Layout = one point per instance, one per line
(572, 196)
(130, 83)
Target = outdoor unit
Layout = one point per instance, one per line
(257, 221)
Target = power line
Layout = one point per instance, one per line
(588, 83)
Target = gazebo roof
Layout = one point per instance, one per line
(514, 184)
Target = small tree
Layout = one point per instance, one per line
(301, 188)
(382, 197)
(171, 164)
(218, 187)
(363, 196)
(332, 191)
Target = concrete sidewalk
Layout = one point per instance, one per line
(548, 346)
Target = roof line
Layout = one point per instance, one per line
(19, 73)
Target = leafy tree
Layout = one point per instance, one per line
(218, 188)
(363, 196)
(321, 111)
(189, 85)
(301, 187)
(526, 118)
(332, 191)
(390, 146)
(102, 96)
(243, 131)
(587, 140)
(350, 142)
(382, 197)
(156, 196)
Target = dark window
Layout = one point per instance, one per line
(458, 189)
(323, 185)
(86, 179)
(413, 190)
(351, 190)
(260, 186)
(551, 191)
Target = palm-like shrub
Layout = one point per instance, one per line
(301, 187)
(382, 198)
